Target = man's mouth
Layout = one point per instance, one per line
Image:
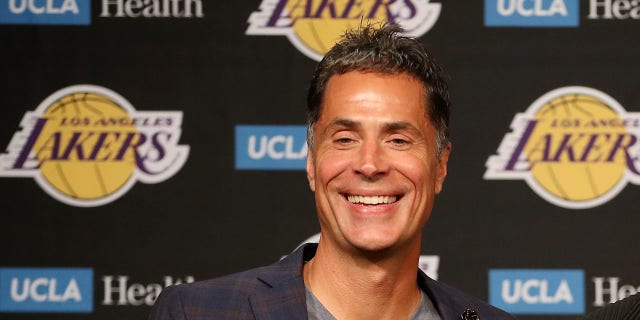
(372, 200)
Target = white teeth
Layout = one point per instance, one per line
(372, 199)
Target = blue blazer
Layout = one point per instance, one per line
(277, 292)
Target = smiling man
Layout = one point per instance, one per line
(378, 112)
(375, 169)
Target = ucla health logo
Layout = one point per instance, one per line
(87, 146)
(531, 13)
(576, 147)
(46, 290)
(313, 26)
(271, 147)
(537, 291)
(64, 12)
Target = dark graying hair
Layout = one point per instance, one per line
(382, 49)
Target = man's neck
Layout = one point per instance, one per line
(362, 286)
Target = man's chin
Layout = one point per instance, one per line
(373, 246)
(381, 245)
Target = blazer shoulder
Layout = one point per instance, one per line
(231, 296)
(225, 297)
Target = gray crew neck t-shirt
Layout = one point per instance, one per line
(316, 311)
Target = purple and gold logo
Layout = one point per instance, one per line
(313, 26)
(86, 146)
(576, 147)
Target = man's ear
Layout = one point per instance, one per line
(442, 167)
(311, 172)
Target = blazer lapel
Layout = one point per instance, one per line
(285, 300)
(448, 308)
(283, 296)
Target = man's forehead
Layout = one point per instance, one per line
(332, 85)
(354, 123)
(383, 126)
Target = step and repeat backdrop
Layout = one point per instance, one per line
(147, 143)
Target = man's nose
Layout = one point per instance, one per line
(372, 160)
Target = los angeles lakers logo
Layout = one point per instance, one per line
(576, 147)
(86, 146)
(313, 26)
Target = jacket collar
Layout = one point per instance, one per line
(444, 304)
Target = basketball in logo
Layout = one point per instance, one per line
(320, 32)
(576, 147)
(313, 27)
(569, 129)
(86, 146)
(72, 146)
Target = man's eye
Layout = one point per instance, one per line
(399, 142)
(344, 140)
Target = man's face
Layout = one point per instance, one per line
(373, 167)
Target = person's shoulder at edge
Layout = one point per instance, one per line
(625, 309)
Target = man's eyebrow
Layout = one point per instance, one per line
(342, 123)
(400, 125)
